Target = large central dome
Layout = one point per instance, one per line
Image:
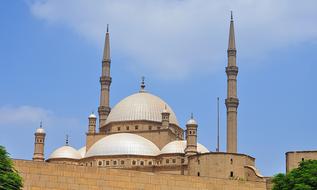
(140, 106)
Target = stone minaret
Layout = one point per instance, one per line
(105, 81)
(232, 100)
(92, 123)
(191, 137)
(165, 118)
(38, 154)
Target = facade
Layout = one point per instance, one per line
(141, 136)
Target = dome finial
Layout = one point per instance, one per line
(192, 116)
(41, 123)
(66, 140)
(142, 85)
(231, 16)
(107, 28)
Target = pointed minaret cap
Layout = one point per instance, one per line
(232, 43)
(106, 51)
(142, 85)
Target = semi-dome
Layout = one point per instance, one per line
(82, 151)
(141, 106)
(123, 144)
(67, 152)
(179, 147)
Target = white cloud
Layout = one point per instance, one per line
(174, 38)
(23, 115)
(30, 116)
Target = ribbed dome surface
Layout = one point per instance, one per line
(140, 106)
(179, 147)
(65, 152)
(123, 144)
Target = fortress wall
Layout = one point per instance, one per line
(220, 165)
(295, 157)
(49, 176)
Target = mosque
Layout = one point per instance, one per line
(142, 133)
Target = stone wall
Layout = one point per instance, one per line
(49, 176)
(220, 165)
(294, 158)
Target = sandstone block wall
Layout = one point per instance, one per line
(49, 176)
(294, 158)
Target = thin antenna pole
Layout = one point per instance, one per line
(218, 128)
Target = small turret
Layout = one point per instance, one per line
(92, 123)
(191, 137)
(39, 134)
(165, 118)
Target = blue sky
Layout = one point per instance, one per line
(51, 61)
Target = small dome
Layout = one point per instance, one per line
(141, 106)
(92, 115)
(179, 147)
(65, 152)
(123, 144)
(40, 130)
(191, 122)
(82, 151)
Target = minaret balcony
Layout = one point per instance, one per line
(106, 61)
(232, 70)
(105, 80)
(232, 102)
(232, 52)
(103, 110)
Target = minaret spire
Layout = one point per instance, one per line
(105, 82)
(232, 100)
(232, 43)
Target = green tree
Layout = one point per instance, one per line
(9, 177)
(302, 178)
